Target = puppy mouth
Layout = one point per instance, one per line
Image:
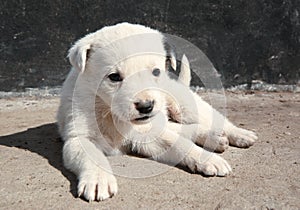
(142, 119)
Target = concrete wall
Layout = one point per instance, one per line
(244, 39)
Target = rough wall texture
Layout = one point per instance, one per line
(245, 40)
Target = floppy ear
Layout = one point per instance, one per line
(78, 55)
(185, 71)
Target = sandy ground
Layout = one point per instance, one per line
(265, 176)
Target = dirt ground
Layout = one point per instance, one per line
(265, 176)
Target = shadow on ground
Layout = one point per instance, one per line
(43, 140)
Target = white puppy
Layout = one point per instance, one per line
(118, 98)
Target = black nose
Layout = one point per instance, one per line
(144, 107)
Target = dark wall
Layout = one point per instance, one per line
(245, 40)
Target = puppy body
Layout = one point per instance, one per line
(118, 98)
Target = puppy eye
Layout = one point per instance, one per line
(156, 72)
(115, 77)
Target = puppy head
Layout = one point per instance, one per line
(134, 88)
(127, 65)
(132, 85)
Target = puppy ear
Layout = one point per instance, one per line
(171, 62)
(170, 55)
(185, 71)
(78, 55)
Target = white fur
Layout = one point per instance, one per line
(185, 73)
(97, 117)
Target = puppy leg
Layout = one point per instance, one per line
(197, 120)
(211, 119)
(239, 137)
(187, 107)
(172, 148)
(96, 181)
(210, 140)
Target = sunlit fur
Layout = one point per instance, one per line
(98, 117)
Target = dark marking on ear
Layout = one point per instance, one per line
(88, 54)
(168, 63)
(90, 51)
(170, 55)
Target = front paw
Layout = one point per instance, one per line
(213, 141)
(216, 142)
(97, 185)
(209, 164)
(240, 137)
